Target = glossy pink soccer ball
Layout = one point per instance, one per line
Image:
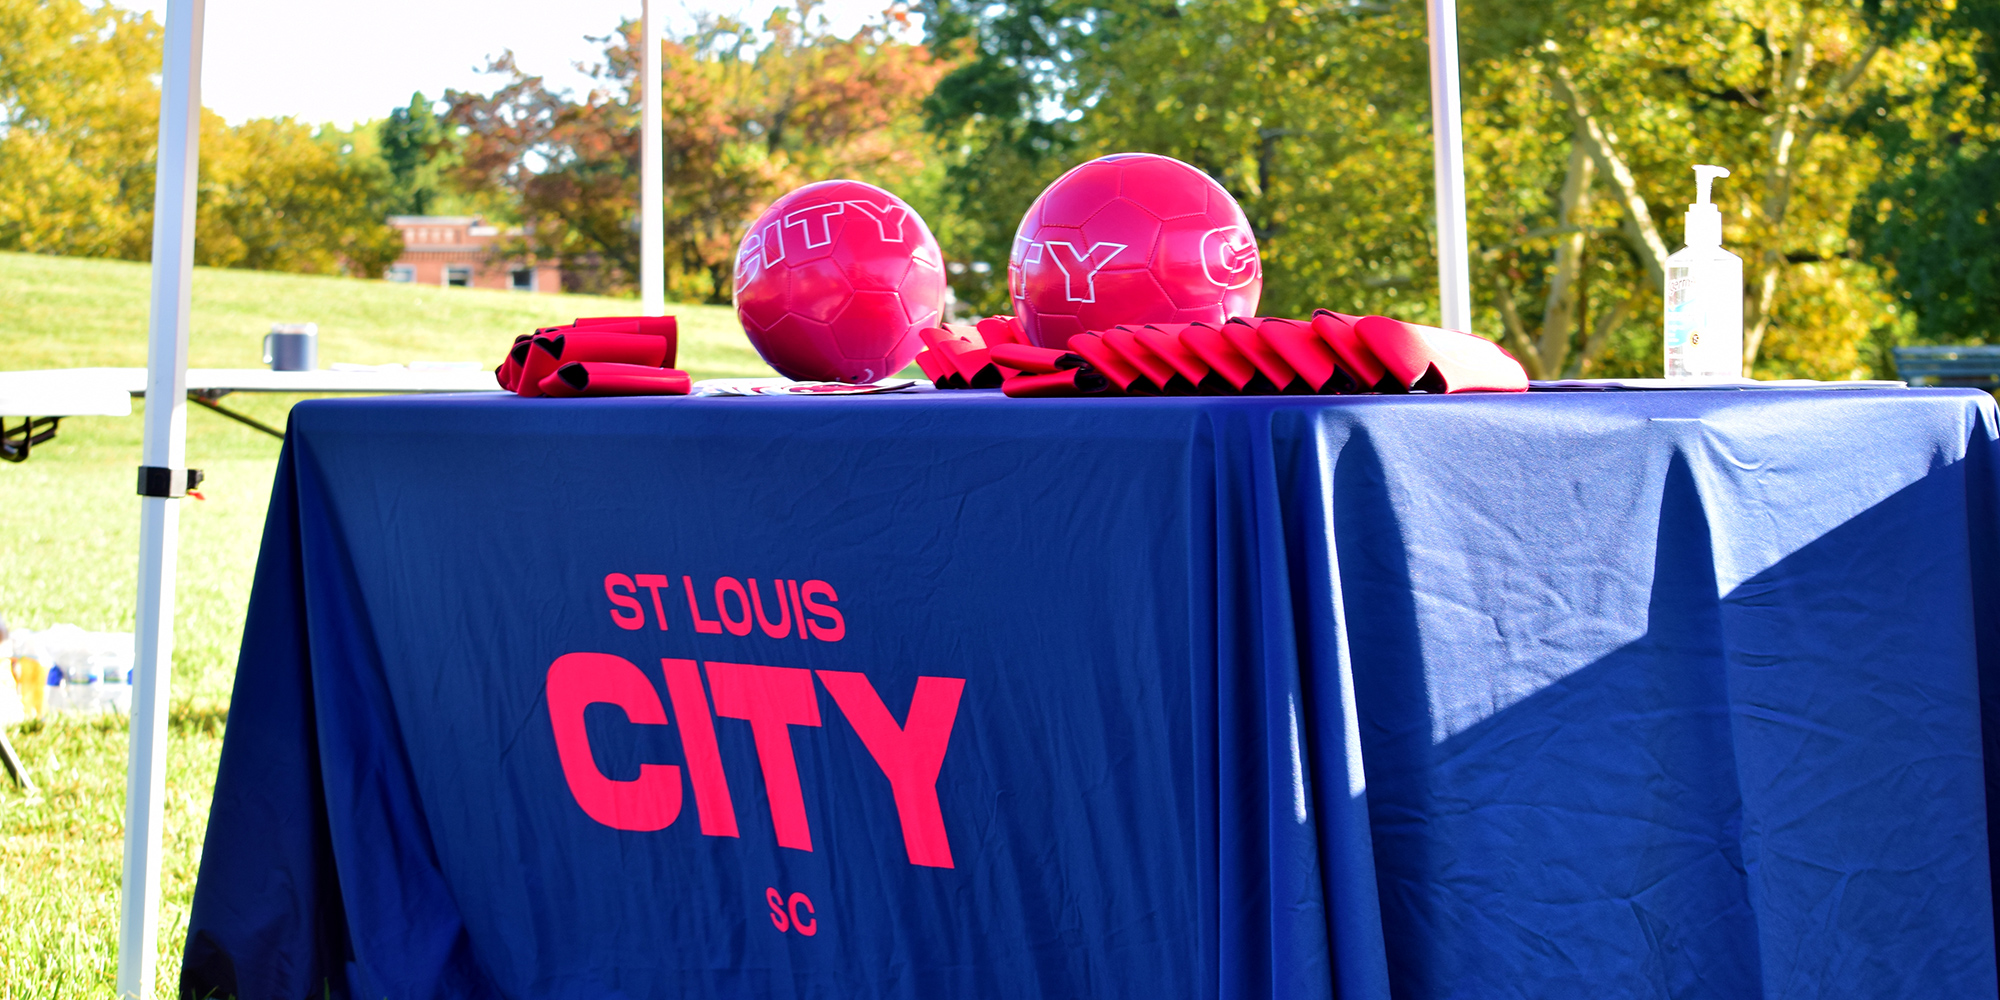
(835, 279)
(1131, 238)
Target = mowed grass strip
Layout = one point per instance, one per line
(69, 549)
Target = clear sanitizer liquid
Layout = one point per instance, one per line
(1704, 295)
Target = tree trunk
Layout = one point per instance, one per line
(1559, 311)
(1793, 128)
(1602, 144)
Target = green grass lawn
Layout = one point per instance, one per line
(69, 548)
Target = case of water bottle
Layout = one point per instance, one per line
(67, 669)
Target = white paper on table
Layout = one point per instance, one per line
(787, 387)
(1714, 383)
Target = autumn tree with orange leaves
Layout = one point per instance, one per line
(747, 116)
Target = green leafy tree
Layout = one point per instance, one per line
(77, 123)
(1006, 132)
(79, 115)
(1587, 120)
(273, 197)
(1934, 220)
(1581, 121)
(410, 140)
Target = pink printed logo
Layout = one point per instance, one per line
(773, 701)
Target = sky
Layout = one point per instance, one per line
(354, 60)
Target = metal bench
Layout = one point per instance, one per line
(1974, 367)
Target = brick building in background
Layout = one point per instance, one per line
(454, 251)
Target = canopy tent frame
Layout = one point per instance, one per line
(164, 477)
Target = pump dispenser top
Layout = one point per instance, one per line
(1703, 225)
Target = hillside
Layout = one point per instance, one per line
(62, 312)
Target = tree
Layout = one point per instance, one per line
(1000, 116)
(77, 123)
(78, 127)
(1646, 89)
(745, 119)
(410, 139)
(1581, 121)
(1934, 221)
(273, 197)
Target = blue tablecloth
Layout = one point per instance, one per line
(1673, 694)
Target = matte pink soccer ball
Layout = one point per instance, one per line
(835, 279)
(1131, 238)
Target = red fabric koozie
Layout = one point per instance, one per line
(1224, 359)
(609, 378)
(1073, 382)
(649, 326)
(1038, 360)
(1242, 334)
(546, 354)
(1433, 360)
(996, 330)
(972, 363)
(1164, 339)
(1156, 369)
(1337, 329)
(935, 367)
(510, 369)
(1308, 355)
(1109, 363)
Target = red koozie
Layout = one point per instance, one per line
(649, 326)
(510, 369)
(935, 367)
(1164, 339)
(995, 330)
(1308, 355)
(972, 363)
(1073, 382)
(548, 353)
(1092, 348)
(1242, 334)
(1036, 360)
(1432, 360)
(1337, 329)
(1156, 369)
(1224, 359)
(608, 378)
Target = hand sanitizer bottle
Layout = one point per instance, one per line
(1704, 294)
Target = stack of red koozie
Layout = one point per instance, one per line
(600, 356)
(1331, 353)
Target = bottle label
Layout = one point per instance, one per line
(1684, 318)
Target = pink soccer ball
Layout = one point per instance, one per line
(1131, 238)
(835, 279)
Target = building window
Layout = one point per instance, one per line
(403, 273)
(458, 277)
(523, 279)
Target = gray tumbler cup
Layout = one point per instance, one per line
(292, 347)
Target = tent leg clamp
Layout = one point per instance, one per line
(155, 481)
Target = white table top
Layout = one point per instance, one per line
(70, 392)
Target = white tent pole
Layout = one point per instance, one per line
(165, 447)
(1454, 262)
(652, 208)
